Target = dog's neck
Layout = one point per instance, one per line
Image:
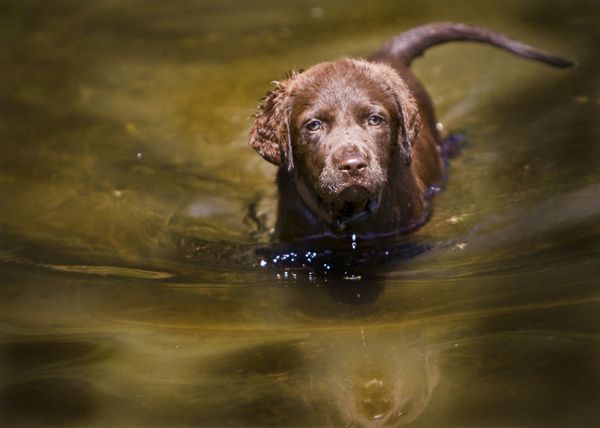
(402, 206)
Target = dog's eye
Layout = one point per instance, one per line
(314, 125)
(375, 120)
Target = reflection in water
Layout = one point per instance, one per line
(138, 283)
(382, 387)
(385, 384)
(350, 270)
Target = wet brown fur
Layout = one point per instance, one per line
(403, 198)
(399, 160)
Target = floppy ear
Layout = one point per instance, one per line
(410, 123)
(270, 134)
(408, 111)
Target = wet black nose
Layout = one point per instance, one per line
(353, 163)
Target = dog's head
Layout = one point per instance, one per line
(338, 128)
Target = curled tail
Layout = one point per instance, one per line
(412, 43)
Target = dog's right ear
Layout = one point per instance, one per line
(269, 134)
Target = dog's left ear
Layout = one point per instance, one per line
(410, 124)
(409, 118)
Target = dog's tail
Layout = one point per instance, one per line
(412, 43)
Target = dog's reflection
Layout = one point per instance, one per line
(380, 385)
(335, 378)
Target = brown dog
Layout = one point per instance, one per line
(356, 140)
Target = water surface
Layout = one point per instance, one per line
(132, 291)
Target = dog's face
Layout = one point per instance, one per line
(338, 128)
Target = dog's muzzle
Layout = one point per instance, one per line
(353, 204)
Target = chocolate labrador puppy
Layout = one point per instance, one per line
(356, 141)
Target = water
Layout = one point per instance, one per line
(138, 287)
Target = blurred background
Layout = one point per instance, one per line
(132, 208)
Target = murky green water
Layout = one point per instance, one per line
(130, 294)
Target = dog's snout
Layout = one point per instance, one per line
(353, 163)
